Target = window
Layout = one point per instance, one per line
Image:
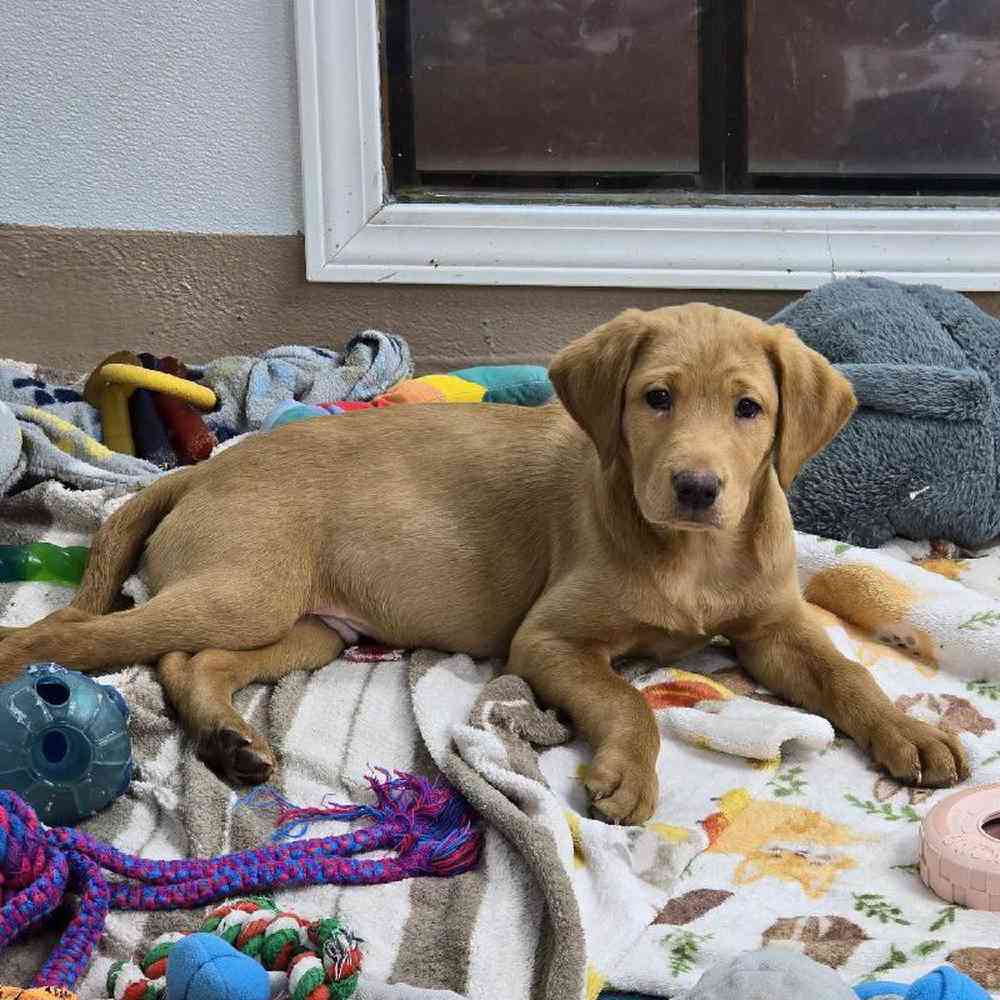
(662, 143)
(510, 94)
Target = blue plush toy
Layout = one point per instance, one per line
(64, 743)
(205, 967)
(944, 983)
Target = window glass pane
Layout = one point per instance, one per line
(861, 87)
(555, 86)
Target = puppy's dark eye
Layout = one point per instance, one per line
(747, 409)
(659, 399)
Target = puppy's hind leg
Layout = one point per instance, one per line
(201, 689)
(213, 611)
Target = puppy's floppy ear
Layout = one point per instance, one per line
(814, 401)
(589, 376)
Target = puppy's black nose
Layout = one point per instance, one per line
(696, 491)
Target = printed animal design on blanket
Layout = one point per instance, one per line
(876, 602)
(886, 789)
(950, 569)
(737, 680)
(780, 841)
(869, 651)
(828, 939)
(685, 690)
(691, 906)
(652, 851)
(981, 964)
(949, 712)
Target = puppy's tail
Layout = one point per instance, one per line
(120, 540)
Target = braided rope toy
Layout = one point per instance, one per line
(308, 960)
(429, 826)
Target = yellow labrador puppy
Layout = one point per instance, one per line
(643, 515)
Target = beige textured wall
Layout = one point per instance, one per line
(70, 297)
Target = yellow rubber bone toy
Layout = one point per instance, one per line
(116, 378)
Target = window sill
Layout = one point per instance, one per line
(708, 247)
(355, 233)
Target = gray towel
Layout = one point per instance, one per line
(919, 457)
(250, 388)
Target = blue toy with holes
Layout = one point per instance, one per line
(64, 743)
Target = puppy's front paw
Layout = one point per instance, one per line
(918, 754)
(624, 788)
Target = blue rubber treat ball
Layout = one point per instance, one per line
(205, 967)
(64, 744)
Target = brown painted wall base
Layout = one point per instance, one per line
(70, 297)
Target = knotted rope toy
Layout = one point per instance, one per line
(430, 827)
(309, 960)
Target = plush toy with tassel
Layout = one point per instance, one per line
(247, 949)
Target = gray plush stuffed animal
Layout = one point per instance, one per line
(770, 974)
(919, 457)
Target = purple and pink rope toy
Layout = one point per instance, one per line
(430, 827)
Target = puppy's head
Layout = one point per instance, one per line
(695, 401)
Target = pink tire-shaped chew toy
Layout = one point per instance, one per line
(960, 848)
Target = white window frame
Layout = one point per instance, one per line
(356, 233)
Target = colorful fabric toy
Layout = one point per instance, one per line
(944, 983)
(267, 953)
(521, 385)
(430, 828)
(290, 411)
